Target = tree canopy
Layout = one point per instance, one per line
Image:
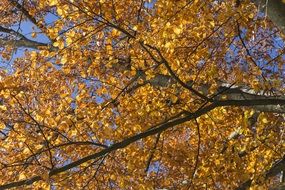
(142, 94)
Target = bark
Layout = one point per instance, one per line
(16, 39)
(236, 96)
(22, 43)
(180, 119)
(228, 92)
(242, 93)
(275, 10)
(278, 187)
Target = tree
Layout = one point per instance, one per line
(131, 94)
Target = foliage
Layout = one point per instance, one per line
(183, 94)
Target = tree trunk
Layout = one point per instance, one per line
(275, 10)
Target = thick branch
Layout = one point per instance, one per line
(244, 94)
(21, 42)
(160, 128)
(11, 31)
(275, 10)
(273, 171)
(26, 43)
(224, 91)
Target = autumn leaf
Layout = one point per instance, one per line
(141, 94)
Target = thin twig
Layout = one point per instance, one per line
(197, 154)
(152, 153)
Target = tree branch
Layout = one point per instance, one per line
(28, 16)
(197, 155)
(275, 10)
(152, 131)
(21, 42)
(273, 171)
(171, 72)
(152, 153)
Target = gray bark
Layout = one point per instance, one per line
(16, 39)
(22, 43)
(275, 10)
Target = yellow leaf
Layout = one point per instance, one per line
(2, 126)
(115, 33)
(173, 99)
(73, 132)
(264, 120)
(135, 28)
(177, 30)
(39, 146)
(113, 177)
(33, 55)
(251, 15)
(56, 44)
(63, 125)
(34, 35)
(109, 49)
(167, 45)
(53, 2)
(59, 44)
(68, 40)
(3, 107)
(63, 60)
(26, 151)
(22, 176)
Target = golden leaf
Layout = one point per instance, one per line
(53, 2)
